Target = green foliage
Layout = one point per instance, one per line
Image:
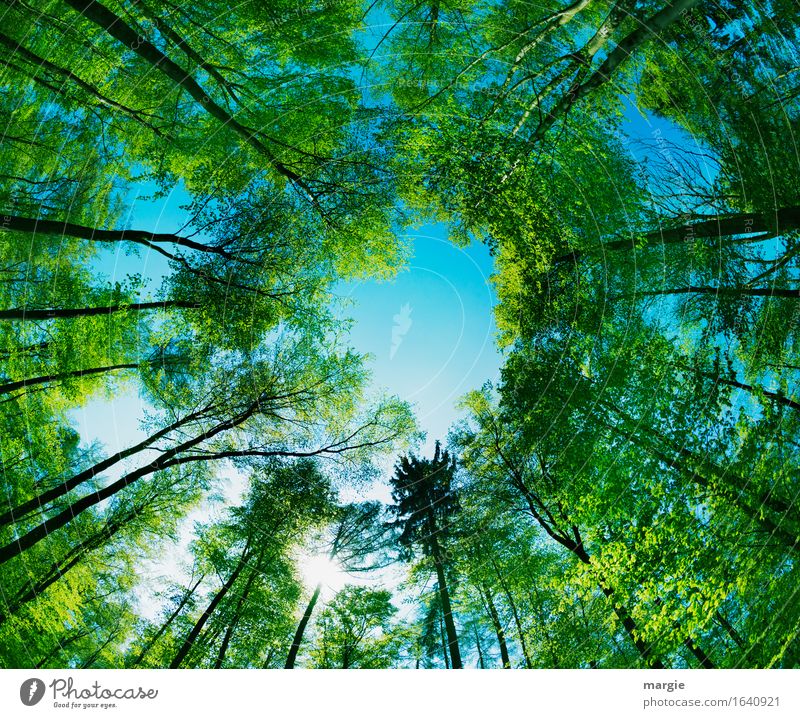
(424, 498)
(626, 495)
(355, 631)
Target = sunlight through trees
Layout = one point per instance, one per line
(624, 493)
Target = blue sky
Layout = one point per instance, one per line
(429, 331)
(429, 334)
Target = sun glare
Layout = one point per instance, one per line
(321, 569)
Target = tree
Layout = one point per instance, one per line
(284, 501)
(355, 631)
(424, 505)
(354, 539)
(626, 493)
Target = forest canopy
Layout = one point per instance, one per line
(623, 494)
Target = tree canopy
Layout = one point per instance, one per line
(623, 494)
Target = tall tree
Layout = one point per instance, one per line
(425, 502)
(355, 541)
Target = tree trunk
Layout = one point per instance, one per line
(724, 292)
(218, 596)
(777, 223)
(443, 638)
(164, 626)
(580, 60)
(39, 501)
(728, 486)
(758, 391)
(498, 627)
(268, 658)
(699, 654)
(30, 349)
(688, 642)
(32, 537)
(514, 613)
(35, 588)
(201, 645)
(347, 655)
(237, 611)
(535, 597)
(136, 236)
(477, 645)
(645, 650)
(576, 547)
(605, 71)
(727, 483)
(729, 629)
(115, 26)
(91, 659)
(301, 627)
(182, 44)
(41, 63)
(447, 611)
(60, 646)
(50, 378)
(22, 314)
